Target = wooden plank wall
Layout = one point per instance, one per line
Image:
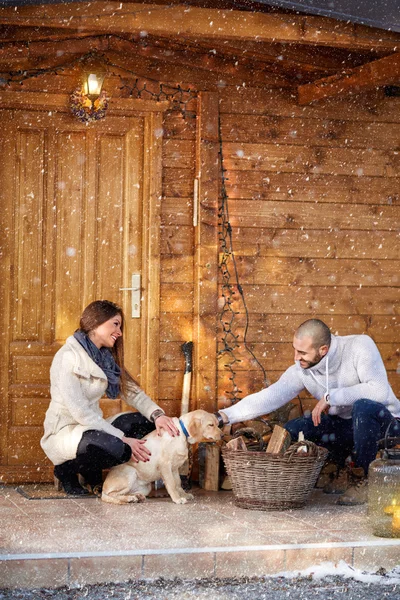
(314, 205)
(177, 252)
(315, 209)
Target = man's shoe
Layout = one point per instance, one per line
(357, 493)
(339, 484)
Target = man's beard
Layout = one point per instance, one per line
(310, 363)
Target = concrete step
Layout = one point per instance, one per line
(51, 543)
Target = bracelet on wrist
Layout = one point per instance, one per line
(219, 419)
(157, 413)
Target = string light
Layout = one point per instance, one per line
(230, 288)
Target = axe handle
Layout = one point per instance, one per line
(187, 349)
(187, 378)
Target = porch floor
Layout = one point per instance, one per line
(51, 543)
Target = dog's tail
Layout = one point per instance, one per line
(122, 499)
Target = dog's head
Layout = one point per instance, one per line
(202, 425)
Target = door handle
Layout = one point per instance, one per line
(136, 294)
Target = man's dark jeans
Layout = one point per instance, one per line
(358, 436)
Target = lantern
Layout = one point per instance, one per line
(384, 490)
(92, 84)
(89, 102)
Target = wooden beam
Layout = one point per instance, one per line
(294, 56)
(385, 71)
(265, 54)
(25, 56)
(60, 103)
(7, 190)
(243, 70)
(173, 73)
(28, 34)
(41, 54)
(151, 228)
(181, 20)
(206, 253)
(64, 47)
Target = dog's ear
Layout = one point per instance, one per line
(195, 428)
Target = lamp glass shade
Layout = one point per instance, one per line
(93, 84)
(384, 497)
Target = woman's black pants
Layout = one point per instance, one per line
(99, 450)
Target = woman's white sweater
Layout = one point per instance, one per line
(352, 369)
(76, 386)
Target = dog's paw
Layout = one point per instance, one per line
(188, 496)
(180, 501)
(133, 498)
(140, 497)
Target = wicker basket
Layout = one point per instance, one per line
(263, 481)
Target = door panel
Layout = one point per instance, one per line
(69, 196)
(73, 205)
(28, 215)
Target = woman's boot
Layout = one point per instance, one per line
(65, 474)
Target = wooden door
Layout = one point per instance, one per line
(76, 201)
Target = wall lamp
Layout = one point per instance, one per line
(90, 102)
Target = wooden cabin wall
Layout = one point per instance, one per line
(177, 253)
(314, 204)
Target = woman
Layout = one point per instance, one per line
(77, 438)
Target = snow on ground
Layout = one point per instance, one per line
(322, 582)
(342, 569)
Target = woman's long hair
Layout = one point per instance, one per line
(97, 313)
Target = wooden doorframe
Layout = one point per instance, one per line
(151, 258)
(206, 253)
(152, 114)
(6, 238)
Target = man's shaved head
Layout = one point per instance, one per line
(315, 329)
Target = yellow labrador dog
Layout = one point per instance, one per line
(131, 482)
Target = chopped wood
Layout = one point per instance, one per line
(237, 443)
(279, 442)
(226, 483)
(211, 468)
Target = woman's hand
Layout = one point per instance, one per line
(139, 451)
(164, 423)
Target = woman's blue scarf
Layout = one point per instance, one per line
(104, 358)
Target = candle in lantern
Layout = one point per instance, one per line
(394, 509)
(396, 521)
(389, 510)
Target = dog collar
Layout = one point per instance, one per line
(185, 431)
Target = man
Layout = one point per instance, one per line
(355, 404)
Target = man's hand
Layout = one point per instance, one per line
(139, 450)
(164, 423)
(321, 407)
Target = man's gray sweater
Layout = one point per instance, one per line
(351, 370)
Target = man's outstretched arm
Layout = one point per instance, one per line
(288, 386)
